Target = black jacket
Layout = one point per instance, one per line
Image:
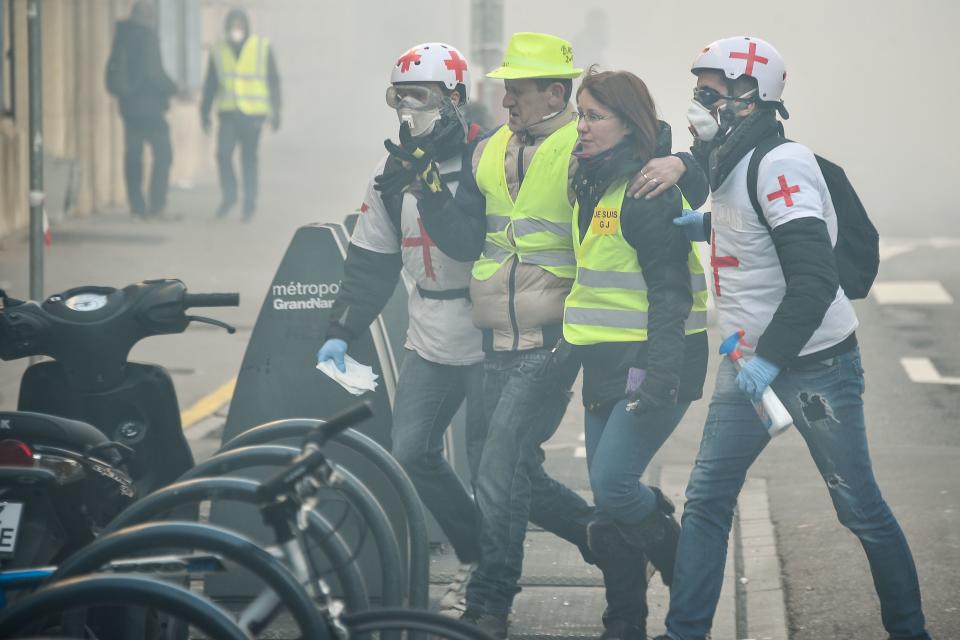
(135, 73)
(675, 364)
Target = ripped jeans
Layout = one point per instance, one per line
(825, 400)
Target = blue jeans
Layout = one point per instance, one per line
(825, 400)
(620, 445)
(523, 409)
(428, 396)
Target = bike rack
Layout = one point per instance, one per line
(192, 535)
(417, 537)
(91, 591)
(243, 490)
(370, 508)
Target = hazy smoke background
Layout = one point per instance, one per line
(870, 84)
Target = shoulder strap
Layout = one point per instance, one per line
(761, 150)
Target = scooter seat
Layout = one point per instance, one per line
(42, 428)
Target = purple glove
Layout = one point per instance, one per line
(756, 376)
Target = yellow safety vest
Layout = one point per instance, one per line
(243, 79)
(608, 301)
(536, 227)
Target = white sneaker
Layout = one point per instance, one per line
(453, 603)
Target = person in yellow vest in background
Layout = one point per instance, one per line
(243, 83)
(512, 214)
(636, 316)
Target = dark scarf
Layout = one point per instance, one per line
(720, 159)
(595, 174)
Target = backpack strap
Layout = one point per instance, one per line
(753, 168)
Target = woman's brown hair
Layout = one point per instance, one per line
(628, 98)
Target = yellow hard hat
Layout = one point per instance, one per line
(536, 55)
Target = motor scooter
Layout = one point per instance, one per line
(92, 430)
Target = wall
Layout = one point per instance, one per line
(83, 133)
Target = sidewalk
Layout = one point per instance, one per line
(112, 249)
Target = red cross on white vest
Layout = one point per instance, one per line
(750, 56)
(407, 59)
(718, 262)
(456, 64)
(425, 242)
(785, 191)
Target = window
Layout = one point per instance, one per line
(178, 24)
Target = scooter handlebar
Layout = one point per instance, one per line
(211, 300)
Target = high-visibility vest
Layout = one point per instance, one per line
(608, 301)
(536, 227)
(243, 79)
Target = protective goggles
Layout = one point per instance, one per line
(413, 97)
(708, 96)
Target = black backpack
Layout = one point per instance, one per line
(858, 244)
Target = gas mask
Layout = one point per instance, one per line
(237, 35)
(702, 120)
(421, 108)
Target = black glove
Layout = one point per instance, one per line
(652, 395)
(417, 160)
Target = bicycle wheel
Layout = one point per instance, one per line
(158, 504)
(92, 591)
(194, 536)
(372, 624)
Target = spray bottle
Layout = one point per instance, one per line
(774, 415)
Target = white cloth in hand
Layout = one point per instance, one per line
(357, 379)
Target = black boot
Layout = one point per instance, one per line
(657, 536)
(625, 580)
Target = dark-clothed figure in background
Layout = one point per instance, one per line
(636, 316)
(243, 83)
(135, 75)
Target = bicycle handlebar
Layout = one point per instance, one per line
(211, 300)
(307, 463)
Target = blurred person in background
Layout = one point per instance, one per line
(441, 367)
(636, 316)
(135, 76)
(243, 84)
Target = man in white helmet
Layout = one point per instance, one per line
(775, 276)
(428, 90)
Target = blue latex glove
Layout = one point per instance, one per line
(333, 349)
(756, 376)
(692, 223)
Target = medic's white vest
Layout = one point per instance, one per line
(440, 331)
(745, 273)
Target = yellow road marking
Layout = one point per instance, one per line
(208, 405)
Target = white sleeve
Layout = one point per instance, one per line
(790, 185)
(375, 230)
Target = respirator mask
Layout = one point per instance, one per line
(707, 124)
(419, 107)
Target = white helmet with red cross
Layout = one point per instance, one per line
(746, 56)
(433, 62)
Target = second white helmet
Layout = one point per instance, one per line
(433, 62)
(747, 56)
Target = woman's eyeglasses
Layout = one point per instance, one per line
(592, 117)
